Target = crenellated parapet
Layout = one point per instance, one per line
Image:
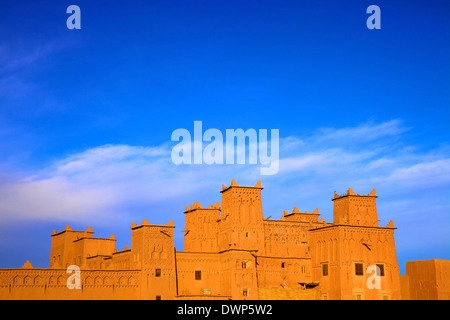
(296, 215)
(350, 192)
(197, 206)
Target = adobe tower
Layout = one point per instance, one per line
(242, 218)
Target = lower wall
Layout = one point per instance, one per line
(201, 297)
(404, 285)
(288, 294)
(428, 279)
(51, 284)
(63, 293)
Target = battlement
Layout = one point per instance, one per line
(197, 206)
(86, 234)
(235, 185)
(296, 215)
(350, 192)
(145, 223)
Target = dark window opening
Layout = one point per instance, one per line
(325, 269)
(157, 272)
(380, 270)
(198, 275)
(359, 270)
(158, 297)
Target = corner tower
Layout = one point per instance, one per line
(153, 252)
(355, 209)
(241, 224)
(201, 228)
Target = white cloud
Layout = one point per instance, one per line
(20, 57)
(121, 181)
(363, 133)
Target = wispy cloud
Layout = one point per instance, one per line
(18, 61)
(122, 182)
(363, 133)
(12, 59)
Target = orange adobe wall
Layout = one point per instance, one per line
(232, 252)
(428, 279)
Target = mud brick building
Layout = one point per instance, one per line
(232, 252)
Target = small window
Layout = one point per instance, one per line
(244, 265)
(157, 272)
(359, 270)
(158, 297)
(198, 275)
(246, 234)
(303, 269)
(282, 265)
(380, 270)
(359, 297)
(245, 292)
(325, 269)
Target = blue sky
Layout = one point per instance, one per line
(86, 115)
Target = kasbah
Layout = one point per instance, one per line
(232, 252)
